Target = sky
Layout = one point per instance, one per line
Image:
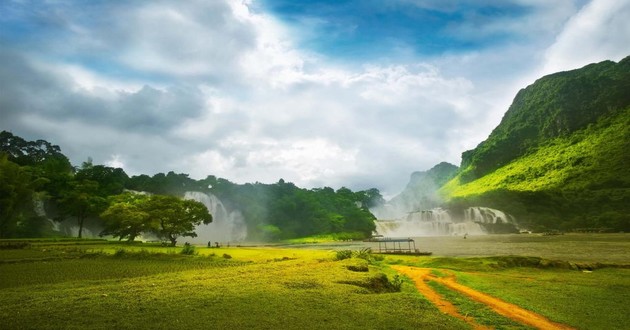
(354, 93)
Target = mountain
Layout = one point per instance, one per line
(421, 193)
(560, 158)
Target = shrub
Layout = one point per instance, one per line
(378, 283)
(227, 256)
(188, 249)
(343, 254)
(365, 254)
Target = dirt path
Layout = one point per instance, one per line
(514, 312)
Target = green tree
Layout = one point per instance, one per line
(111, 181)
(127, 216)
(172, 217)
(16, 195)
(81, 200)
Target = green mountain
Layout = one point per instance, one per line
(421, 193)
(560, 158)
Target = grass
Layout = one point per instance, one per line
(585, 300)
(260, 288)
(593, 155)
(103, 285)
(482, 314)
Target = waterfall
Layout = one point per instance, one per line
(225, 226)
(487, 215)
(441, 222)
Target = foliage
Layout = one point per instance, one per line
(171, 217)
(188, 250)
(16, 196)
(343, 254)
(126, 216)
(554, 106)
(559, 159)
(378, 283)
(283, 210)
(578, 181)
(271, 211)
(81, 200)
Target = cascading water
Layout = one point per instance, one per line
(487, 215)
(440, 222)
(224, 228)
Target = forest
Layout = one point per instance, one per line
(39, 185)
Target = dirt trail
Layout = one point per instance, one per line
(514, 312)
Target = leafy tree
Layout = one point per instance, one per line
(16, 195)
(111, 181)
(81, 200)
(127, 216)
(172, 217)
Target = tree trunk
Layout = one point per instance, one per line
(173, 240)
(80, 220)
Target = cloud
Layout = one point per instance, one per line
(216, 87)
(600, 31)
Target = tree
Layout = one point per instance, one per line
(126, 216)
(81, 200)
(111, 181)
(16, 195)
(171, 217)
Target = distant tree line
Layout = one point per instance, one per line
(37, 182)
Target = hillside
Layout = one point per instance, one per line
(554, 106)
(560, 157)
(421, 193)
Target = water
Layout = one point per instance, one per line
(225, 227)
(441, 222)
(578, 247)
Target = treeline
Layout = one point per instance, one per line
(280, 210)
(38, 182)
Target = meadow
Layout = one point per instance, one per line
(99, 284)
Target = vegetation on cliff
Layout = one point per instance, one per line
(559, 159)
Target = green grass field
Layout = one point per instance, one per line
(102, 285)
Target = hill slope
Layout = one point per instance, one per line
(560, 157)
(421, 193)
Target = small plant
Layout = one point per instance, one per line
(188, 250)
(358, 268)
(396, 283)
(378, 283)
(365, 254)
(120, 252)
(343, 254)
(227, 256)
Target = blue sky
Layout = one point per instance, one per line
(321, 93)
(372, 30)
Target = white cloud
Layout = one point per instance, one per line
(214, 88)
(600, 31)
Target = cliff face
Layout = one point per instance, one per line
(554, 106)
(560, 157)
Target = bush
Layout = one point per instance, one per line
(379, 283)
(343, 254)
(365, 254)
(188, 250)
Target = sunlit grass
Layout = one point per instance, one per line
(571, 162)
(267, 288)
